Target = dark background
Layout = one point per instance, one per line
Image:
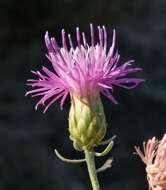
(28, 138)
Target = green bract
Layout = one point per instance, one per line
(87, 124)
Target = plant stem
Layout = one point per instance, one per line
(89, 156)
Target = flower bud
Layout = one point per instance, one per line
(87, 124)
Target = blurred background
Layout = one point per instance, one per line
(28, 137)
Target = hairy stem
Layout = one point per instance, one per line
(89, 156)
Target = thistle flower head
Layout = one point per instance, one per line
(155, 159)
(81, 71)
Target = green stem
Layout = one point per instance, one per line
(89, 156)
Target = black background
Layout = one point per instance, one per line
(28, 138)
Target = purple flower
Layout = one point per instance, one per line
(82, 71)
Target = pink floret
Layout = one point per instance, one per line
(81, 70)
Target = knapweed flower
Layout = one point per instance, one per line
(83, 72)
(155, 159)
